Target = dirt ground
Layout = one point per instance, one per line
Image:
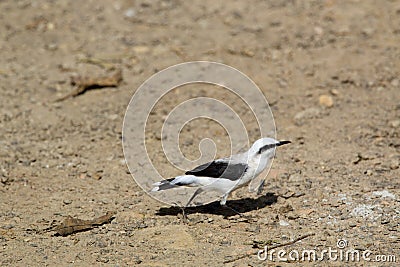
(338, 180)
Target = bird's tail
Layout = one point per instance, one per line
(163, 185)
(184, 180)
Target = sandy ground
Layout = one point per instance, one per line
(338, 180)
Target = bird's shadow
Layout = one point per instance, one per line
(239, 205)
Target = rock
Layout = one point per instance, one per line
(67, 201)
(395, 82)
(334, 92)
(369, 172)
(367, 32)
(395, 123)
(50, 26)
(304, 213)
(326, 101)
(363, 210)
(306, 114)
(352, 224)
(384, 194)
(394, 164)
(130, 13)
(283, 223)
(318, 30)
(343, 30)
(285, 209)
(141, 49)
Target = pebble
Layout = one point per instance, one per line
(285, 209)
(395, 82)
(367, 32)
(334, 92)
(326, 101)
(50, 26)
(283, 223)
(130, 13)
(394, 164)
(52, 46)
(67, 201)
(369, 172)
(141, 49)
(394, 124)
(318, 30)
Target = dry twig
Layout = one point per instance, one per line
(82, 84)
(72, 225)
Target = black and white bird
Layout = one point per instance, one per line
(227, 174)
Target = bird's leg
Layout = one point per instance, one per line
(198, 191)
(261, 187)
(185, 219)
(184, 216)
(224, 198)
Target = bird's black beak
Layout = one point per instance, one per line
(283, 143)
(269, 146)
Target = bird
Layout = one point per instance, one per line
(225, 175)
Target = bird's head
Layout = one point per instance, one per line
(265, 147)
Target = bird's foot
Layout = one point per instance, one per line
(185, 219)
(184, 216)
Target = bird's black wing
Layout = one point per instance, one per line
(220, 169)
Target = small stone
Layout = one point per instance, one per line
(395, 123)
(52, 46)
(98, 175)
(369, 172)
(8, 226)
(67, 201)
(344, 30)
(334, 92)
(367, 32)
(304, 213)
(394, 164)
(130, 13)
(385, 221)
(395, 82)
(50, 26)
(4, 180)
(292, 216)
(283, 223)
(285, 209)
(141, 49)
(318, 30)
(326, 101)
